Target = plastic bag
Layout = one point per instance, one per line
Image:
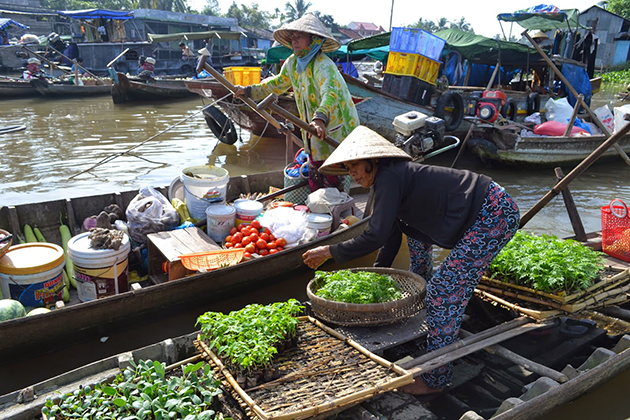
(284, 222)
(620, 112)
(606, 117)
(558, 110)
(324, 199)
(556, 128)
(150, 212)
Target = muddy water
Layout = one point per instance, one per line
(82, 147)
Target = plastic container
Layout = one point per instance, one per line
(321, 222)
(99, 272)
(243, 76)
(247, 211)
(416, 41)
(33, 274)
(220, 218)
(203, 185)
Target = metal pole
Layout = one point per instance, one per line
(391, 16)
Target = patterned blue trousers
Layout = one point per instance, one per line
(451, 287)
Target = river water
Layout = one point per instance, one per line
(79, 147)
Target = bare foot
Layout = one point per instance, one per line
(418, 387)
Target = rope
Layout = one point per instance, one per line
(116, 155)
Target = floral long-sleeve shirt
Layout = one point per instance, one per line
(319, 90)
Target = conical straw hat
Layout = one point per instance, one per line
(540, 35)
(362, 143)
(309, 24)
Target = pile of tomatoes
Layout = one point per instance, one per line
(250, 237)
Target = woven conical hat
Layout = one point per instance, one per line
(540, 35)
(309, 24)
(362, 143)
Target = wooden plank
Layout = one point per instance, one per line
(574, 216)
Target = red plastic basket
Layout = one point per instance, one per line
(616, 230)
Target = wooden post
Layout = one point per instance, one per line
(76, 73)
(576, 222)
(576, 108)
(98, 79)
(461, 148)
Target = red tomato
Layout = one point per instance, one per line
(242, 226)
(271, 238)
(273, 251)
(264, 236)
(271, 245)
(254, 230)
(256, 225)
(237, 237)
(280, 248)
(254, 237)
(229, 245)
(228, 238)
(263, 252)
(247, 255)
(246, 240)
(233, 231)
(250, 247)
(238, 245)
(281, 242)
(261, 244)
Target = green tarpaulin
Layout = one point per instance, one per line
(544, 21)
(183, 36)
(279, 53)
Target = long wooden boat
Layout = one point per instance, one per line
(126, 90)
(507, 147)
(156, 295)
(70, 90)
(16, 88)
(506, 366)
(376, 108)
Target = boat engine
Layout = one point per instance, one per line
(486, 105)
(418, 134)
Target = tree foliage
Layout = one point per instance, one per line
(443, 23)
(170, 5)
(296, 10)
(211, 8)
(619, 7)
(250, 16)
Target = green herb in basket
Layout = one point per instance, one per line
(357, 287)
(547, 264)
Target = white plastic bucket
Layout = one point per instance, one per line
(247, 211)
(321, 222)
(207, 185)
(99, 272)
(220, 219)
(33, 274)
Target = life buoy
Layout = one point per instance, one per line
(220, 125)
(533, 103)
(509, 110)
(450, 107)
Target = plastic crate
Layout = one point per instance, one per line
(616, 230)
(242, 76)
(409, 88)
(402, 64)
(427, 69)
(416, 41)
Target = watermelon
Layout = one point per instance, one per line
(10, 309)
(38, 311)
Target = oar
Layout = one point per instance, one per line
(80, 66)
(117, 57)
(52, 63)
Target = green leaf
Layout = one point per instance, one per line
(120, 402)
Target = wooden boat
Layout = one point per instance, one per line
(506, 366)
(156, 294)
(507, 147)
(70, 90)
(126, 90)
(16, 88)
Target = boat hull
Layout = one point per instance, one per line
(66, 90)
(127, 90)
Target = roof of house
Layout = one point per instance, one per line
(368, 26)
(603, 10)
(350, 33)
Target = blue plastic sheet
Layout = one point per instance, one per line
(578, 78)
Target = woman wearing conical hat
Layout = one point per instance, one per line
(321, 94)
(459, 210)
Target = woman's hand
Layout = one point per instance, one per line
(320, 127)
(316, 256)
(240, 91)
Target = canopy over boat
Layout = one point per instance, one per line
(544, 18)
(7, 23)
(181, 36)
(96, 14)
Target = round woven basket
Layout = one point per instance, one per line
(4, 246)
(412, 286)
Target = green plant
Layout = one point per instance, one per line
(547, 264)
(357, 287)
(248, 338)
(143, 391)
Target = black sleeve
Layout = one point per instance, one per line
(388, 252)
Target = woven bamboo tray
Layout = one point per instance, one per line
(413, 287)
(326, 373)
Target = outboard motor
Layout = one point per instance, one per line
(418, 134)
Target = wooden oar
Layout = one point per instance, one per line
(117, 57)
(98, 79)
(52, 63)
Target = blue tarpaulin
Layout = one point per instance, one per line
(96, 13)
(577, 76)
(6, 23)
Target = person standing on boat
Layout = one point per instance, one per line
(32, 69)
(463, 211)
(148, 68)
(321, 94)
(186, 52)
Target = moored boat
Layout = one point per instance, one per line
(157, 293)
(16, 88)
(70, 90)
(126, 90)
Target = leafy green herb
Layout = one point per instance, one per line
(247, 338)
(547, 264)
(142, 391)
(357, 287)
